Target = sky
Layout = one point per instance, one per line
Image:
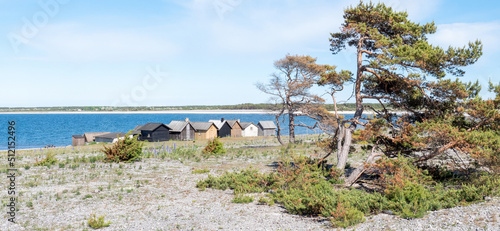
(196, 52)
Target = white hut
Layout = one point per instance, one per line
(249, 129)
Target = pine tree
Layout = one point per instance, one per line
(399, 68)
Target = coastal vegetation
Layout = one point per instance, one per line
(128, 149)
(97, 222)
(214, 147)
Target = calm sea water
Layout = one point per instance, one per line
(39, 130)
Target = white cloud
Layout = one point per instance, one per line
(268, 30)
(250, 28)
(460, 34)
(80, 43)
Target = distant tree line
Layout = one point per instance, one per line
(244, 106)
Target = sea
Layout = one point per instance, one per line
(40, 130)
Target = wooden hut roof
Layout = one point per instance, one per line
(177, 126)
(201, 126)
(218, 124)
(244, 125)
(232, 122)
(267, 124)
(152, 126)
(78, 136)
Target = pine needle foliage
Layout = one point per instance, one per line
(214, 146)
(128, 149)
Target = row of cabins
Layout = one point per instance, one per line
(185, 130)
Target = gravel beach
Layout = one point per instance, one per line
(161, 194)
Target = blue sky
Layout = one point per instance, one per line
(194, 52)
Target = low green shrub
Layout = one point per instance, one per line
(242, 199)
(265, 200)
(199, 171)
(49, 160)
(97, 222)
(246, 181)
(411, 192)
(124, 150)
(306, 188)
(214, 146)
(93, 159)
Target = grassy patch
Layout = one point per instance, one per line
(244, 199)
(200, 171)
(49, 160)
(97, 222)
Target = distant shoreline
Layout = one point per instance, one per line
(237, 111)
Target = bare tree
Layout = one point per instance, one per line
(289, 88)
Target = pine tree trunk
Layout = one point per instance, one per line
(291, 127)
(278, 126)
(278, 132)
(343, 150)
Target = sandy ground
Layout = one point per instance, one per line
(161, 194)
(157, 194)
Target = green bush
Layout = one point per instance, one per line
(345, 207)
(199, 171)
(214, 146)
(246, 181)
(97, 222)
(304, 188)
(265, 200)
(411, 192)
(242, 199)
(47, 161)
(124, 150)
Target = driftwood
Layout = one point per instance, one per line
(360, 170)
